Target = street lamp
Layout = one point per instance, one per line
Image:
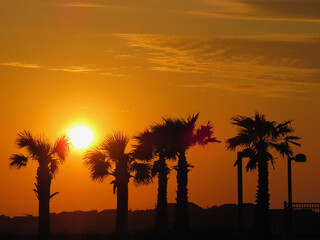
(245, 153)
(298, 158)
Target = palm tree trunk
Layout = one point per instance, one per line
(44, 182)
(181, 221)
(122, 210)
(262, 221)
(161, 224)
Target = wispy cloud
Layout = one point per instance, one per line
(255, 17)
(265, 10)
(84, 5)
(20, 64)
(72, 69)
(75, 69)
(296, 9)
(249, 65)
(112, 74)
(126, 111)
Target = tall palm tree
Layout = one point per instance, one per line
(48, 156)
(261, 136)
(111, 159)
(155, 145)
(184, 135)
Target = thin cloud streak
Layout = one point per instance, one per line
(75, 69)
(296, 9)
(84, 5)
(262, 10)
(248, 17)
(112, 74)
(20, 65)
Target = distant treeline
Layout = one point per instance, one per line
(103, 222)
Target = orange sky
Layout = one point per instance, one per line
(119, 65)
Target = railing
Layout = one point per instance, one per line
(304, 218)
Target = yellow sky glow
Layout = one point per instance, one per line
(123, 65)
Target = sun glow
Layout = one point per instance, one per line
(81, 136)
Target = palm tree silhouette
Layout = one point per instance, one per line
(155, 145)
(110, 158)
(48, 157)
(184, 135)
(261, 136)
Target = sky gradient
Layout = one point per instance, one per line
(122, 65)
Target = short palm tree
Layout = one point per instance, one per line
(261, 136)
(111, 159)
(48, 156)
(155, 146)
(184, 135)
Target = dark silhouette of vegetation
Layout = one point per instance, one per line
(48, 157)
(261, 136)
(160, 142)
(111, 158)
(155, 145)
(182, 135)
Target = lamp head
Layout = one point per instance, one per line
(300, 158)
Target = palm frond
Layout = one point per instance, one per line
(283, 148)
(142, 173)
(165, 139)
(36, 190)
(290, 139)
(53, 194)
(114, 182)
(115, 145)
(158, 167)
(143, 150)
(187, 131)
(189, 166)
(204, 135)
(243, 140)
(282, 129)
(18, 161)
(26, 139)
(252, 164)
(97, 163)
(191, 119)
(62, 147)
(259, 117)
(155, 169)
(38, 147)
(262, 127)
(53, 166)
(242, 122)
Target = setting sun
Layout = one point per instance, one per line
(81, 136)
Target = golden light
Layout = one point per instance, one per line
(81, 136)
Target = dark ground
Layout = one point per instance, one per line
(194, 234)
(211, 223)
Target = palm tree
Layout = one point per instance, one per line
(261, 136)
(155, 145)
(111, 159)
(184, 135)
(48, 157)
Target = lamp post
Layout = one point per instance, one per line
(298, 158)
(245, 153)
